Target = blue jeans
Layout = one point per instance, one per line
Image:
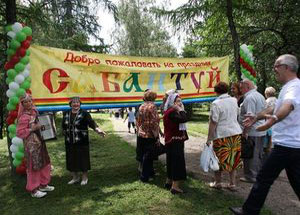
(279, 159)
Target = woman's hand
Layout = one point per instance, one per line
(208, 142)
(36, 126)
(100, 132)
(178, 106)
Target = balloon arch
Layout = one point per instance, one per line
(17, 69)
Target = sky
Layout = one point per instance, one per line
(107, 22)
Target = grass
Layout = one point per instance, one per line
(198, 125)
(113, 186)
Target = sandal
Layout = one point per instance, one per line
(215, 185)
(232, 187)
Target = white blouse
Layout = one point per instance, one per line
(224, 111)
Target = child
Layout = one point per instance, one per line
(131, 119)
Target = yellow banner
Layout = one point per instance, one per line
(116, 81)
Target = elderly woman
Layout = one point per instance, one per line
(225, 132)
(148, 133)
(38, 161)
(75, 125)
(175, 135)
(271, 101)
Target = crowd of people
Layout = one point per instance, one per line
(247, 130)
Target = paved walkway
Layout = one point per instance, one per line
(281, 199)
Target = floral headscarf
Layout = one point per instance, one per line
(22, 110)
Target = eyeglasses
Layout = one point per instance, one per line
(278, 65)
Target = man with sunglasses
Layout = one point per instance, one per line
(285, 123)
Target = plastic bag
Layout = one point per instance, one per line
(208, 159)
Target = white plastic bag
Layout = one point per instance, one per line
(208, 159)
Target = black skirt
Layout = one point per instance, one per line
(78, 158)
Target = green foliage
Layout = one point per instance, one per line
(272, 27)
(140, 33)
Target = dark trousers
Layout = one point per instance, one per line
(146, 150)
(176, 170)
(279, 159)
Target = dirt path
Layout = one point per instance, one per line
(281, 199)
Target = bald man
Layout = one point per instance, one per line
(253, 103)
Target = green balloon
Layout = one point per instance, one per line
(21, 148)
(10, 52)
(8, 28)
(28, 79)
(8, 80)
(14, 100)
(20, 92)
(11, 135)
(10, 106)
(11, 73)
(20, 36)
(27, 52)
(12, 128)
(14, 44)
(19, 155)
(16, 162)
(250, 47)
(27, 30)
(25, 85)
(19, 67)
(25, 60)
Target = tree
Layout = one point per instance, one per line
(139, 33)
(272, 27)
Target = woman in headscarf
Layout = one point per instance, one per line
(36, 154)
(148, 134)
(175, 135)
(75, 125)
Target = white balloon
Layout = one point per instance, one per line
(10, 93)
(17, 141)
(14, 86)
(13, 148)
(28, 67)
(26, 73)
(19, 78)
(13, 155)
(11, 34)
(17, 27)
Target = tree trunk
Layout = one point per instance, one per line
(11, 17)
(235, 38)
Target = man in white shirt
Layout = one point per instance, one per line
(286, 136)
(253, 103)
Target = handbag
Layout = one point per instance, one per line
(159, 148)
(247, 148)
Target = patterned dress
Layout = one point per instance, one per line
(228, 151)
(75, 128)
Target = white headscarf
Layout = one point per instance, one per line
(169, 103)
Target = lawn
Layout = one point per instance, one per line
(113, 186)
(198, 124)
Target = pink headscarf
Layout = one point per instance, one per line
(21, 111)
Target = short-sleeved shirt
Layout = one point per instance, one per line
(271, 101)
(287, 131)
(253, 103)
(131, 116)
(224, 111)
(148, 121)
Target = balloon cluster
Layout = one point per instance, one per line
(18, 70)
(247, 63)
